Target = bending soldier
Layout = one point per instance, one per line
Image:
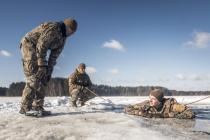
(38, 68)
(78, 82)
(160, 107)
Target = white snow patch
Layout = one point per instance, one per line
(97, 120)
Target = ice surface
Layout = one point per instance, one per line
(99, 119)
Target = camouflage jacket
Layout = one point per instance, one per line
(47, 36)
(168, 109)
(76, 79)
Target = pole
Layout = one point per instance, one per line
(98, 95)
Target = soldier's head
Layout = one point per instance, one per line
(71, 26)
(156, 97)
(81, 68)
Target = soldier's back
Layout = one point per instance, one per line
(35, 33)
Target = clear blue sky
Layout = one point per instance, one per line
(123, 42)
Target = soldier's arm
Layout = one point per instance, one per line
(182, 111)
(54, 55)
(89, 82)
(187, 114)
(47, 37)
(178, 107)
(72, 81)
(130, 110)
(137, 109)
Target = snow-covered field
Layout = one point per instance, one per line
(100, 120)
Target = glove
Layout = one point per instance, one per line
(41, 72)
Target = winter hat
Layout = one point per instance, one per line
(72, 23)
(157, 93)
(82, 65)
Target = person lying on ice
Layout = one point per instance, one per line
(159, 107)
(78, 82)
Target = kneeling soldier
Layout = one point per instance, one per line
(78, 82)
(159, 107)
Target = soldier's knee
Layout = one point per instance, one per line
(75, 94)
(34, 83)
(30, 66)
(28, 92)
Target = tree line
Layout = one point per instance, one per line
(59, 87)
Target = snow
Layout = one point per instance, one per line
(100, 119)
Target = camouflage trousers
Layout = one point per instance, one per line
(81, 95)
(34, 91)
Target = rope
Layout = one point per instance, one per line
(197, 100)
(114, 104)
(100, 96)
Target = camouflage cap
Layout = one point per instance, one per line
(157, 93)
(82, 65)
(72, 23)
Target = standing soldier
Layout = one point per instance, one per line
(160, 107)
(78, 82)
(38, 68)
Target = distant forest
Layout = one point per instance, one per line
(59, 87)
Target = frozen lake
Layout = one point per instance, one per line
(99, 119)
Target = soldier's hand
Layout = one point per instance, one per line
(41, 72)
(81, 87)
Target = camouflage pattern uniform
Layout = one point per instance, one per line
(34, 46)
(77, 82)
(169, 108)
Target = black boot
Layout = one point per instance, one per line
(38, 112)
(73, 104)
(82, 103)
(24, 110)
